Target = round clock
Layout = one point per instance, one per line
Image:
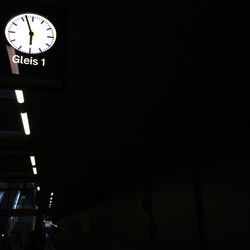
(30, 33)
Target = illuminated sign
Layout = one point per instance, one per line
(33, 46)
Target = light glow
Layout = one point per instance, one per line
(25, 123)
(38, 188)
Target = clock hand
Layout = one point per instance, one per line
(31, 36)
(31, 32)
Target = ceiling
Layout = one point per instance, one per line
(138, 92)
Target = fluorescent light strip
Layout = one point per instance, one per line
(25, 123)
(16, 200)
(34, 171)
(1, 196)
(19, 96)
(33, 160)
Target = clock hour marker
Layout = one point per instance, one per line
(22, 19)
(10, 31)
(50, 36)
(42, 22)
(15, 24)
(32, 19)
(20, 47)
(40, 50)
(49, 29)
(12, 40)
(29, 50)
(47, 44)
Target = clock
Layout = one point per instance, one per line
(30, 33)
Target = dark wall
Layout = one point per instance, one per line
(225, 194)
(157, 209)
(167, 210)
(174, 208)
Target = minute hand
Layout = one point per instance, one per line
(31, 32)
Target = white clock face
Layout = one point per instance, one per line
(30, 33)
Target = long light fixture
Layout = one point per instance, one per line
(16, 200)
(25, 123)
(32, 160)
(34, 171)
(19, 96)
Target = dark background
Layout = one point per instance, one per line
(147, 142)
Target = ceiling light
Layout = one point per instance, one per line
(34, 170)
(52, 194)
(33, 161)
(25, 123)
(19, 96)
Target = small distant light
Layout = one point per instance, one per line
(38, 188)
(52, 194)
(34, 171)
(2, 235)
(51, 198)
(33, 160)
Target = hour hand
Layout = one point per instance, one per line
(31, 36)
